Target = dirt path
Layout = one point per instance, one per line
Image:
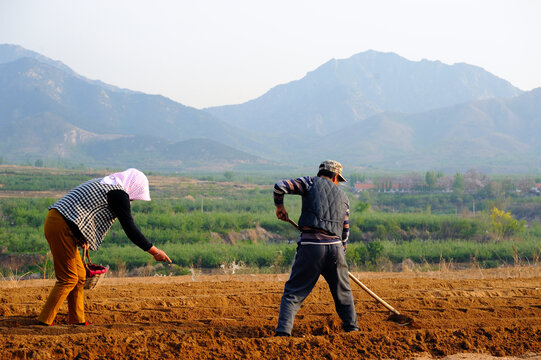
(470, 314)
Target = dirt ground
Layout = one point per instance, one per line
(469, 314)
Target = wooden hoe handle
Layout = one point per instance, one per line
(371, 293)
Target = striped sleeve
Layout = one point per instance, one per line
(345, 231)
(294, 186)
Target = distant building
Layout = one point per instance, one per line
(360, 187)
(402, 186)
(536, 188)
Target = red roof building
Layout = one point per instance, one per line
(364, 187)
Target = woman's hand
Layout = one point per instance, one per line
(159, 255)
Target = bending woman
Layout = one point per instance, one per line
(82, 218)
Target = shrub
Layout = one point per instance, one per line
(357, 255)
(375, 250)
(503, 224)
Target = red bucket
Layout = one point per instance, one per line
(93, 270)
(94, 273)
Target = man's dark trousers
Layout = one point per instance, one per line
(310, 262)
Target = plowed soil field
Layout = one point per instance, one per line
(470, 314)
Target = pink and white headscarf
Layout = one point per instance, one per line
(134, 182)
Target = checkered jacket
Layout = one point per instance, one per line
(86, 206)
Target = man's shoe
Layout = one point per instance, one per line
(86, 323)
(281, 333)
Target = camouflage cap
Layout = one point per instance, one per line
(333, 166)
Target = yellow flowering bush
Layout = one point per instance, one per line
(503, 224)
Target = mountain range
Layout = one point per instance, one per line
(374, 109)
(49, 112)
(342, 92)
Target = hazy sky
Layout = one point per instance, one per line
(206, 53)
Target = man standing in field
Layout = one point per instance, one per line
(324, 225)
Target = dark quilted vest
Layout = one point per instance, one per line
(324, 207)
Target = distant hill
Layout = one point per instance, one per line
(188, 155)
(48, 112)
(373, 109)
(341, 92)
(496, 135)
(9, 53)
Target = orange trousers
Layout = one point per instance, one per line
(69, 271)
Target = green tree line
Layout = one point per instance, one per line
(192, 220)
